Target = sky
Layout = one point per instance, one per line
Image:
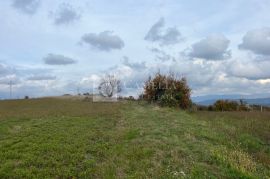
(57, 47)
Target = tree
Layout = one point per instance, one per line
(168, 90)
(109, 86)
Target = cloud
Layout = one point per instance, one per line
(104, 41)
(162, 55)
(250, 70)
(41, 78)
(6, 80)
(257, 41)
(66, 14)
(4, 69)
(26, 6)
(134, 65)
(53, 59)
(157, 33)
(8, 74)
(203, 76)
(38, 88)
(214, 47)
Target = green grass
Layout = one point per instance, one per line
(60, 138)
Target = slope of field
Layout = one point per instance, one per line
(61, 138)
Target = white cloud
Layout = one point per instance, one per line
(252, 70)
(9, 79)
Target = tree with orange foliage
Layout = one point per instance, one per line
(168, 90)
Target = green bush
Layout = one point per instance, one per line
(167, 100)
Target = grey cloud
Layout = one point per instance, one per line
(157, 34)
(41, 78)
(26, 6)
(66, 14)
(54, 59)
(214, 47)
(104, 41)
(257, 41)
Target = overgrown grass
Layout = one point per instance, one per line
(58, 138)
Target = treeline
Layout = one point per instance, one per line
(225, 105)
(229, 105)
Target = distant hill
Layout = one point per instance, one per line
(209, 100)
(259, 101)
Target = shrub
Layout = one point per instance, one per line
(244, 108)
(167, 90)
(226, 105)
(167, 100)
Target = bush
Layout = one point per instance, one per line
(167, 90)
(226, 105)
(210, 108)
(167, 100)
(244, 108)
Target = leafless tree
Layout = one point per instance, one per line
(109, 86)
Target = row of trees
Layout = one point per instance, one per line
(225, 105)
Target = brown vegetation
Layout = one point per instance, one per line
(168, 90)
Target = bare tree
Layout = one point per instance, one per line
(109, 86)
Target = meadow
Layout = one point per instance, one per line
(64, 138)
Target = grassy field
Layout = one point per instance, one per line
(60, 138)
